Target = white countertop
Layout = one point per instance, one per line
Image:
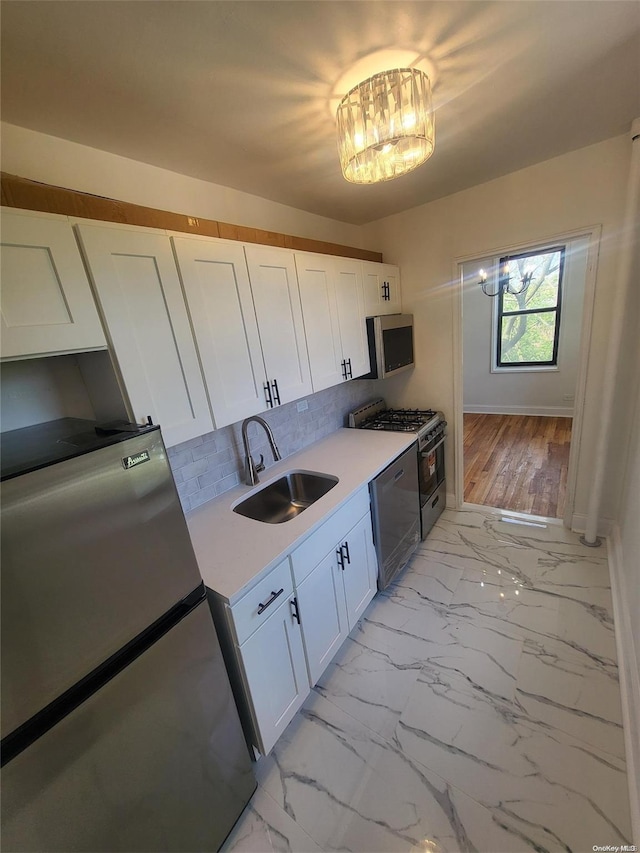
(233, 552)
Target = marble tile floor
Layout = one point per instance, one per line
(475, 707)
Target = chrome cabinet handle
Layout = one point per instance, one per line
(274, 595)
(276, 393)
(340, 557)
(344, 369)
(350, 371)
(346, 552)
(267, 394)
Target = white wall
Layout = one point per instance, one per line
(546, 391)
(562, 195)
(50, 160)
(624, 547)
(628, 404)
(37, 390)
(629, 521)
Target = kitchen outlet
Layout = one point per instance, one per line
(302, 406)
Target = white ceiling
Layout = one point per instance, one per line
(240, 93)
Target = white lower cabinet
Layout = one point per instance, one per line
(281, 635)
(275, 671)
(360, 573)
(335, 595)
(261, 641)
(323, 613)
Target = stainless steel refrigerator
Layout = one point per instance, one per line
(119, 729)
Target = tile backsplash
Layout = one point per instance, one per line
(210, 464)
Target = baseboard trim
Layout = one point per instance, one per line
(451, 502)
(629, 672)
(579, 524)
(541, 411)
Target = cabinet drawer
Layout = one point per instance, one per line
(265, 597)
(312, 550)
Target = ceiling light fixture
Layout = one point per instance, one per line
(386, 126)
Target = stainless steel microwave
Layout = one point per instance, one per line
(390, 345)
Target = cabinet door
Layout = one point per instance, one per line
(276, 297)
(360, 570)
(322, 327)
(323, 614)
(138, 290)
(216, 284)
(351, 315)
(47, 304)
(382, 289)
(276, 675)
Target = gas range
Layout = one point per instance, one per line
(429, 427)
(426, 423)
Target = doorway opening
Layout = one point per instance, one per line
(525, 313)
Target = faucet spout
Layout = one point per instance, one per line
(250, 468)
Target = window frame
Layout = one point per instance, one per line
(498, 364)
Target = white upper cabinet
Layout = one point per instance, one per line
(216, 284)
(318, 294)
(47, 304)
(351, 314)
(382, 289)
(139, 294)
(276, 297)
(333, 307)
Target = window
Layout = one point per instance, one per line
(528, 323)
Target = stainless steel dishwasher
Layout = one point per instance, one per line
(395, 509)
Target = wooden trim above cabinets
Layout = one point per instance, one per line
(32, 195)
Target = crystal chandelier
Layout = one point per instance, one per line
(385, 126)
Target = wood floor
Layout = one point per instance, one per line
(517, 462)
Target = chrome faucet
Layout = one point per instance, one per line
(250, 468)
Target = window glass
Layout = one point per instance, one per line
(529, 308)
(528, 338)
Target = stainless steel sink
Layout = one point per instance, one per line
(287, 497)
